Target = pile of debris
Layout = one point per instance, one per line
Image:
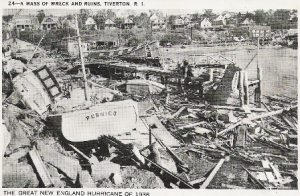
(57, 136)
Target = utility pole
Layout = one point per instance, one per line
(82, 59)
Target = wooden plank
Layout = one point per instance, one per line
(254, 179)
(40, 168)
(197, 181)
(191, 125)
(160, 131)
(246, 88)
(241, 90)
(264, 115)
(212, 174)
(69, 166)
(276, 172)
(176, 114)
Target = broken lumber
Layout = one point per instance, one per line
(40, 168)
(212, 174)
(180, 164)
(176, 114)
(254, 179)
(68, 166)
(237, 108)
(247, 120)
(191, 125)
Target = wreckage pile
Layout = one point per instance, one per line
(162, 139)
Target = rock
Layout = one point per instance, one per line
(104, 170)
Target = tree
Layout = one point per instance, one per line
(260, 16)
(41, 15)
(110, 15)
(142, 20)
(84, 14)
(69, 17)
(208, 13)
(7, 18)
(100, 18)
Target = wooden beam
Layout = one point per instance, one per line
(264, 115)
(212, 174)
(40, 168)
(176, 114)
(241, 90)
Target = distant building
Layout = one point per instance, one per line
(205, 23)
(6, 31)
(128, 23)
(73, 48)
(157, 22)
(23, 23)
(50, 23)
(263, 32)
(220, 21)
(179, 23)
(90, 24)
(247, 22)
(109, 24)
(69, 23)
(188, 19)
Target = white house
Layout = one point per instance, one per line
(205, 23)
(219, 21)
(128, 23)
(157, 22)
(50, 23)
(179, 23)
(90, 23)
(109, 24)
(247, 22)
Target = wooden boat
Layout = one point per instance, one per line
(111, 118)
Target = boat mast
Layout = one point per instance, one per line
(81, 58)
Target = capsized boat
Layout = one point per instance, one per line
(111, 118)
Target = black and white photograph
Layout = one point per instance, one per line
(150, 98)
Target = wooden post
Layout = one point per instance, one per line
(259, 76)
(150, 136)
(82, 60)
(246, 88)
(211, 74)
(241, 90)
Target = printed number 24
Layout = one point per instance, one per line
(10, 3)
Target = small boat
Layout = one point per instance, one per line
(111, 118)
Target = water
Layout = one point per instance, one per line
(279, 65)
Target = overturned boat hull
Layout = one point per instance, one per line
(112, 118)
